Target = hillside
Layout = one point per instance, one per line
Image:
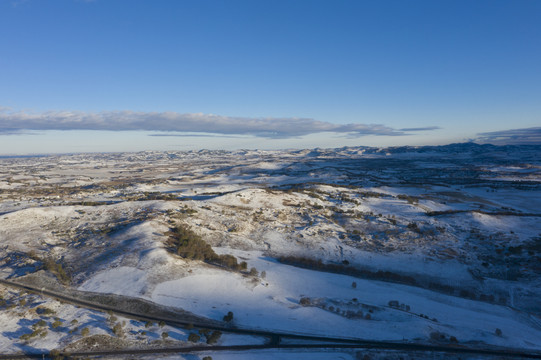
(427, 245)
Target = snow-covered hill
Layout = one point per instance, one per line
(424, 244)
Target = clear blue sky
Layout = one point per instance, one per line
(111, 74)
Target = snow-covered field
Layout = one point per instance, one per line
(429, 245)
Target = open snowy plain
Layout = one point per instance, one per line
(431, 245)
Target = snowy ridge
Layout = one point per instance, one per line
(421, 244)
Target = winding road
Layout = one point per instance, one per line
(275, 339)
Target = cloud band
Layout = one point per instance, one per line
(526, 136)
(11, 122)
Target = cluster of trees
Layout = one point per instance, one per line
(39, 329)
(441, 337)
(155, 195)
(211, 337)
(397, 305)
(347, 270)
(187, 244)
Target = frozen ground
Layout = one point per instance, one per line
(429, 245)
(33, 323)
(273, 303)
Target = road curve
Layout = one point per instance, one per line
(319, 342)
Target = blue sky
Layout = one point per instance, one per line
(116, 75)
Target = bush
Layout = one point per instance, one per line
(57, 269)
(117, 330)
(56, 324)
(40, 323)
(253, 272)
(165, 335)
(228, 317)
(413, 226)
(85, 331)
(228, 261)
(214, 337)
(193, 337)
(305, 301)
(437, 336)
(40, 310)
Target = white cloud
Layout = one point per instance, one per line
(14, 121)
(427, 128)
